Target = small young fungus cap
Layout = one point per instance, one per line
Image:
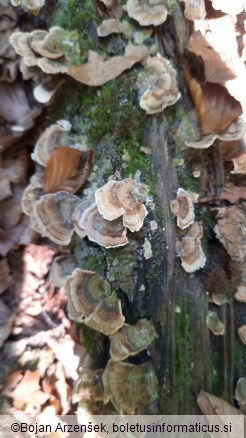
(183, 208)
(161, 83)
(53, 136)
(53, 213)
(109, 234)
(85, 291)
(147, 12)
(192, 255)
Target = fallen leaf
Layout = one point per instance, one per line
(67, 170)
(211, 405)
(215, 107)
(27, 391)
(20, 234)
(207, 65)
(10, 209)
(232, 193)
(62, 388)
(97, 72)
(68, 353)
(38, 258)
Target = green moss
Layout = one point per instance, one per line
(187, 181)
(96, 263)
(76, 15)
(215, 380)
(183, 348)
(174, 113)
(172, 6)
(92, 341)
(179, 401)
(239, 357)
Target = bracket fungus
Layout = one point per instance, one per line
(194, 9)
(192, 255)
(52, 51)
(123, 198)
(131, 339)
(32, 193)
(55, 43)
(239, 163)
(91, 301)
(240, 392)
(107, 27)
(109, 234)
(89, 386)
(21, 42)
(32, 6)
(85, 290)
(45, 90)
(240, 294)
(242, 333)
(107, 317)
(53, 214)
(231, 230)
(183, 208)
(160, 84)
(52, 137)
(61, 267)
(147, 12)
(235, 131)
(214, 324)
(129, 386)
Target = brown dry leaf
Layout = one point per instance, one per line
(98, 72)
(67, 170)
(17, 167)
(232, 193)
(211, 405)
(62, 388)
(37, 259)
(21, 234)
(27, 391)
(10, 209)
(215, 107)
(5, 278)
(207, 63)
(12, 381)
(68, 353)
(49, 387)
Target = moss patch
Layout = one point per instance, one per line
(77, 15)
